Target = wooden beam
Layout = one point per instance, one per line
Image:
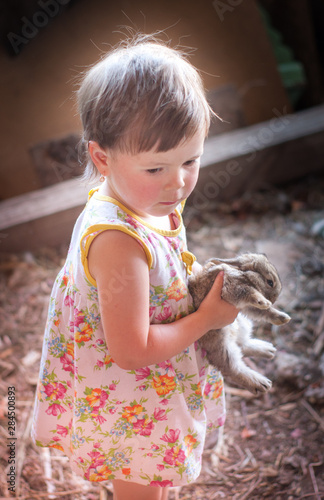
(282, 128)
(273, 152)
(279, 150)
(43, 202)
(52, 230)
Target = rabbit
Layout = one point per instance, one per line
(252, 284)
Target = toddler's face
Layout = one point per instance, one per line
(152, 184)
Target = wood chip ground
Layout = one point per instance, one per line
(272, 446)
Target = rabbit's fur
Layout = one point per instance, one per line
(252, 284)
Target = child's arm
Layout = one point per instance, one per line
(118, 264)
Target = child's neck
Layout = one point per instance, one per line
(166, 223)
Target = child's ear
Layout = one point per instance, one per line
(99, 157)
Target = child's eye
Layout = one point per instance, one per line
(154, 170)
(189, 163)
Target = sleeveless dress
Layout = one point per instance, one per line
(147, 425)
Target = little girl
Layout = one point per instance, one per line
(124, 390)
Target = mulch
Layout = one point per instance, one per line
(272, 446)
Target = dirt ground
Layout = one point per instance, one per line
(272, 446)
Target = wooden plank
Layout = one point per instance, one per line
(232, 177)
(282, 128)
(54, 230)
(47, 201)
(279, 150)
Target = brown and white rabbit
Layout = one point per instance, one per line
(252, 284)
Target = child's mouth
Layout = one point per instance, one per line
(169, 202)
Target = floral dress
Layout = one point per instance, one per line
(147, 425)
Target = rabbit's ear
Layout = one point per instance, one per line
(211, 264)
(245, 262)
(213, 261)
(236, 261)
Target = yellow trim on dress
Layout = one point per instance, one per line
(183, 205)
(188, 259)
(99, 228)
(163, 232)
(92, 192)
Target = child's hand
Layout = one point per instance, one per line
(215, 311)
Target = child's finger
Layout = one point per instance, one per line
(218, 283)
(219, 312)
(215, 293)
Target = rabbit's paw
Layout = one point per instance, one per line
(281, 318)
(265, 350)
(257, 300)
(263, 303)
(251, 380)
(263, 384)
(269, 351)
(258, 348)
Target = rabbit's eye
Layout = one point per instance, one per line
(270, 283)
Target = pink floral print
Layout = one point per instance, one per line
(146, 425)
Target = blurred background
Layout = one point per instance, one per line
(260, 61)
(258, 55)
(261, 188)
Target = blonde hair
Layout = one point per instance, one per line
(142, 95)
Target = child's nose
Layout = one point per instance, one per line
(176, 181)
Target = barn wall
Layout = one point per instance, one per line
(37, 85)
